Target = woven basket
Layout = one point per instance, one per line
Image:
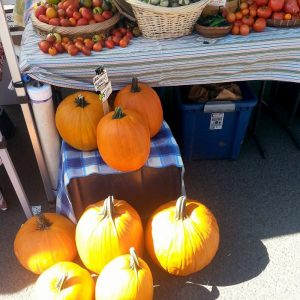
(124, 8)
(283, 23)
(158, 22)
(77, 30)
(212, 32)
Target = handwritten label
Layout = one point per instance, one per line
(100, 81)
(217, 3)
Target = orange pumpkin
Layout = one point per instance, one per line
(182, 236)
(44, 240)
(107, 229)
(125, 277)
(123, 140)
(76, 119)
(65, 280)
(144, 100)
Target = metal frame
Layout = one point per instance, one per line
(13, 65)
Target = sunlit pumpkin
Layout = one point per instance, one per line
(107, 229)
(143, 99)
(126, 277)
(65, 281)
(123, 140)
(44, 240)
(76, 119)
(182, 236)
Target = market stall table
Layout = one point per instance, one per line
(270, 55)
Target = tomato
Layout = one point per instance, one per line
(61, 12)
(44, 46)
(97, 3)
(82, 21)
(79, 45)
(276, 5)
(51, 12)
(264, 12)
(65, 23)
(287, 17)
(291, 7)
(235, 30)
(261, 2)
(86, 13)
(97, 46)
(88, 43)
(250, 2)
(52, 51)
(116, 40)
(129, 35)
(99, 18)
(86, 51)
(123, 43)
(278, 16)
(72, 50)
(238, 15)
(243, 5)
(245, 11)
(238, 23)
(59, 47)
(253, 12)
(41, 10)
(109, 44)
(259, 25)
(43, 19)
(230, 17)
(107, 14)
(65, 39)
(73, 21)
(244, 29)
(51, 38)
(123, 30)
(248, 20)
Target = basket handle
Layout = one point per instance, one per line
(131, 18)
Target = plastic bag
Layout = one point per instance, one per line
(22, 11)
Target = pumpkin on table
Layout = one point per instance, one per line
(144, 100)
(182, 236)
(107, 229)
(65, 280)
(44, 240)
(76, 119)
(123, 140)
(126, 277)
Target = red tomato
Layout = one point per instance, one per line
(77, 15)
(123, 43)
(88, 43)
(79, 45)
(278, 16)
(65, 23)
(59, 47)
(116, 40)
(70, 11)
(43, 19)
(99, 18)
(73, 21)
(61, 12)
(230, 17)
(107, 14)
(261, 2)
(52, 51)
(109, 44)
(44, 46)
(97, 46)
(129, 35)
(248, 20)
(123, 30)
(86, 51)
(291, 7)
(264, 12)
(72, 50)
(41, 10)
(82, 21)
(276, 5)
(235, 30)
(259, 25)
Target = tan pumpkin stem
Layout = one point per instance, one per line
(61, 281)
(181, 208)
(135, 85)
(80, 101)
(134, 261)
(108, 207)
(119, 114)
(42, 222)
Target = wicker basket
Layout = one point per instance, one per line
(212, 32)
(283, 23)
(124, 8)
(166, 22)
(77, 30)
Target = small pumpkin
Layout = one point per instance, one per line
(125, 277)
(182, 236)
(76, 119)
(44, 240)
(143, 99)
(65, 280)
(123, 140)
(106, 230)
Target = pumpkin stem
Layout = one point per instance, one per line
(118, 113)
(80, 101)
(181, 208)
(135, 85)
(108, 207)
(134, 261)
(42, 222)
(61, 281)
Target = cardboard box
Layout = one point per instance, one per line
(213, 7)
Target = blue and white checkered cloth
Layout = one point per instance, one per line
(164, 152)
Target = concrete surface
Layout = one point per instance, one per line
(255, 201)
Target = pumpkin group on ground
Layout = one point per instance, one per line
(123, 140)
(125, 277)
(142, 99)
(107, 229)
(44, 240)
(182, 236)
(76, 119)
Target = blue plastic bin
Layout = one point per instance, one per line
(216, 129)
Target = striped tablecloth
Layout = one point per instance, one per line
(270, 55)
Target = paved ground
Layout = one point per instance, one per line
(255, 201)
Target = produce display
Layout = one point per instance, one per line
(65, 280)
(68, 13)
(144, 100)
(77, 118)
(182, 236)
(44, 240)
(125, 277)
(108, 229)
(170, 3)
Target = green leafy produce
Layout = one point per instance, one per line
(213, 21)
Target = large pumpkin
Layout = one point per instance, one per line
(182, 236)
(126, 277)
(76, 119)
(144, 100)
(44, 240)
(65, 280)
(123, 140)
(107, 229)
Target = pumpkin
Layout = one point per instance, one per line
(44, 240)
(143, 99)
(123, 140)
(106, 230)
(65, 280)
(182, 236)
(76, 119)
(126, 277)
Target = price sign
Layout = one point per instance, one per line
(217, 3)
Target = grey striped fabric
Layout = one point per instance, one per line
(270, 55)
